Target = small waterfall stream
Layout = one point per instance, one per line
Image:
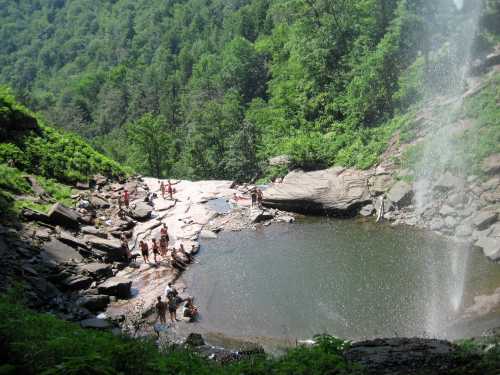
(440, 155)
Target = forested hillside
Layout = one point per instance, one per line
(200, 88)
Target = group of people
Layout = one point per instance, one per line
(173, 300)
(160, 248)
(168, 188)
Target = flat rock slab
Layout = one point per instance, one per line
(141, 211)
(95, 323)
(484, 219)
(401, 194)
(60, 252)
(103, 244)
(334, 189)
(94, 303)
(96, 270)
(71, 240)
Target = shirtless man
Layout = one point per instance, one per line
(170, 190)
(161, 310)
(163, 247)
(144, 251)
(126, 198)
(164, 233)
(156, 249)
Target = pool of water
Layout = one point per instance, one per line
(342, 277)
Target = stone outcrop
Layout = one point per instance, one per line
(117, 287)
(63, 216)
(401, 194)
(337, 190)
(141, 211)
(491, 165)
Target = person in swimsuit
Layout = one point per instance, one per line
(259, 198)
(161, 310)
(164, 233)
(253, 195)
(170, 190)
(162, 189)
(172, 307)
(156, 249)
(163, 247)
(144, 251)
(126, 198)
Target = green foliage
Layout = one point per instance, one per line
(35, 343)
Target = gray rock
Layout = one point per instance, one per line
(447, 211)
(490, 247)
(99, 180)
(457, 199)
(95, 323)
(141, 211)
(77, 282)
(82, 185)
(436, 224)
(93, 231)
(367, 210)
(447, 182)
(401, 194)
(380, 183)
(71, 240)
(59, 252)
(484, 219)
(494, 230)
(194, 340)
(280, 160)
(103, 244)
(334, 190)
(98, 202)
(31, 215)
(491, 164)
(258, 215)
(63, 216)
(96, 270)
(116, 286)
(94, 303)
(208, 234)
(463, 230)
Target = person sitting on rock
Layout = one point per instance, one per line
(190, 310)
(161, 310)
(156, 249)
(144, 251)
(176, 261)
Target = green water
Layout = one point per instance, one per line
(343, 277)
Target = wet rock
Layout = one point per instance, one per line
(491, 164)
(401, 194)
(380, 184)
(82, 185)
(447, 182)
(94, 303)
(285, 219)
(367, 210)
(96, 270)
(63, 216)
(490, 247)
(194, 340)
(337, 190)
(463, 230)
(95, 323)
(117, 287)
(484, 219)
(141, 211)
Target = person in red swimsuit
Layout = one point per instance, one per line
(126, 198)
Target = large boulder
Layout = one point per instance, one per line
(141, 211)
(448, 182)
(99, 202)
(280, 160)
(337, 190)
(490, 247)
(491, 164)
(116, 286)
(71, 240)
(257, 215)
(31, 215)
(97, 270)
(77, 282)
(94, 303)
(484, 219)
(380, 183)
(61, 215)
(57, 251)
(102, 243)
(401, 194)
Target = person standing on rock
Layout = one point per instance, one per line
(125, 248)
(144, 251)
(161, 310)
(172, 307)
(170, 190)
(156, 249)
(163, 247)
(126, 198)
(253, 195)
(162, 189)
(164, 234)
(259, 198)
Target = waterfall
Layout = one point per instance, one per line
(440, 157)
